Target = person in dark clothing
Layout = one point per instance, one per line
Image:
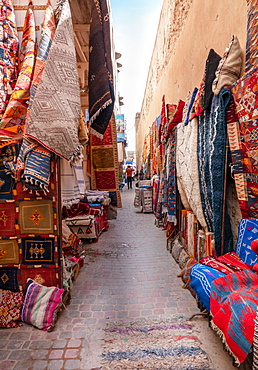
(141, 174)
(129, 175)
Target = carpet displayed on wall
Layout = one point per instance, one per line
(47, 34)
(101, 85)
(9, 252)
(157, 344)
(36, 217)
(242, 135)
(104, 159)
(187, 166)
(9, 278)
(72, 182)
(171, 171)
(30, 242)
(251, 38)
(9, 45)
(233, 207)
(211, 157)
(54, 116)
(13, 119)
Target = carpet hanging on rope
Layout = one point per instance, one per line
(9, 45)
(13, 119)
(187, 166)
(211, 157)
(101, 89)
(55, 111)
(242, 133)
(104, 159)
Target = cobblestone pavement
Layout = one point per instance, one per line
(129, 274)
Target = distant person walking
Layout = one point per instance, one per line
(129, 175)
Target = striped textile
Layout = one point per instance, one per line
(255, 343)
(212, 137)
(233, 306)
(46, 38)
(9, 45)
(251, 37)
(41, 305)
(55, 112)
(13, 119)
(72, 181)
(104, 159)
(187, 168)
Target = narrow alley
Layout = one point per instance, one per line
(128, 277)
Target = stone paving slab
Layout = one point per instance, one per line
(128, 275)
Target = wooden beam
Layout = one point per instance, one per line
(20, 29)
(81, 10)
(79, 49)
(83, 27)
(82, 64)
(34, 7)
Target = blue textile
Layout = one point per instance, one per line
(190, 106)
(6, 184)
(172, 185)
(247, 232)
(212, 138)
(201, 277)
(9, 278)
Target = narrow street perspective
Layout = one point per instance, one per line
(129, 281)
(128, 185)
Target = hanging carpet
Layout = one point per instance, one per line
(101, 89)
(104, 158)
(9, 44)
(54, 116)
(211, 157)
(72, 182)
(13, 119)
(243, 142)
(171, 171)
(157, 344)
(46, 38)
(187, 166)
(251, 38)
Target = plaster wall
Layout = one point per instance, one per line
(187, 30)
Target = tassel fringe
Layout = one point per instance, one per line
(104, 106)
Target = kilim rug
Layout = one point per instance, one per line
(36, 217)
(101, 89)
(187, 166)
(46, 38)
(211, 158)
(233, 303)
(9, 252)
(251, 37)
(9, 44)
(104, 160)
(72, 182)
(14, 116)
(255, 343)
(156, 345)
(55, 111)
(171, 171)
(243, 142)
(7, 219)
